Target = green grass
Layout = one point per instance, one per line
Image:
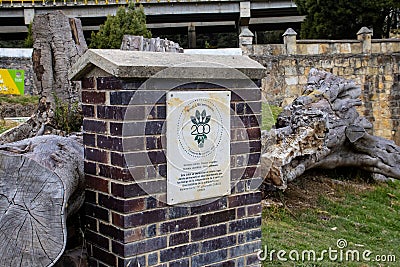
(269, 115)
(6, 125)
(367, 219)
(18, 99)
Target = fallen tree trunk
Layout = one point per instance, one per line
(322, 129)
(41, 185)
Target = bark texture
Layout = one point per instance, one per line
(322, 129)
(42, 182)
(58, 43)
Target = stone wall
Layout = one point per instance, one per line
(375, 66)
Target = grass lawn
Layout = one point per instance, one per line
(316, 211)
(18, 99)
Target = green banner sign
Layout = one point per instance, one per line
(12, 82)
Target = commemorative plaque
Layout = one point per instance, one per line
(198, 145)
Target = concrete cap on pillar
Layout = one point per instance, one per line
(246, 33)
(365, 30)
(289, 32)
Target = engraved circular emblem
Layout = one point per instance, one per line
(200, 128)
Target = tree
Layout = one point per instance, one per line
(342, 19)
(28, 42)
(130, 21)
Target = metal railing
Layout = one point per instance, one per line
(91, 2)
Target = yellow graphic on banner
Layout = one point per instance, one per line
(11, 82)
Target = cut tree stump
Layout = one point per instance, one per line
(58, 43)
(322, 129)
(41, 183)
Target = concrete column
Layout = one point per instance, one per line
(365, 35)
(192, 36)
(29, 14)
(289, 39)
(245, 14)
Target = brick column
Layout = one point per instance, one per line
(127, 220)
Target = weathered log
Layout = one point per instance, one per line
(58, 43)
(322, 129)
(41, 184)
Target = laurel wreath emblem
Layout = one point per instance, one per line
(200, 127)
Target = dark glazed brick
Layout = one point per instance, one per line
(111, 112)
(90, 223)
(245, 224)
(178, 252)
(255, 146)
(140, 97)
(88, 83)
(92, 97)
(104, 256)
(244, 199)
(254, 210)
(208, 232)
(136, 248)
(121, 205)
(96, 155)
(211, 257)
(254, 159)
(97, 239)
(126, 191)
(126, 236)
(89, 167)
(128, 129)
(179, 263)
(154, 127)
(219, 204)
(249, 121)
(152, 259)
(132, 262)
(96, 183)
(218, 243)
(244, 249)
(254, 133)
(178, 225)
(88, 111)
(151, 230)
(106, 83)
(177, 212)
(96, 212)
(253, 235)
(252, 260)
(217, 217)
(89, 139)
(90, 197)
(94, 126)
(92, 262)
(157, 157)
(240, 212)
(253, 107)
(230, 263)
(139, 219)
(178, 239)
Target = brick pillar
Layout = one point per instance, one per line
(289, 39)
(127, 219)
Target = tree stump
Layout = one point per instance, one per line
(42, 182)
(322, 129)
(58, 43)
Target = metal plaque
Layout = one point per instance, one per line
(198, 145)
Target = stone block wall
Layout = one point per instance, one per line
(21, 63)
(374, 64)
(377, 74)
(127, 225)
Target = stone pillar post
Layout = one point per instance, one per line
(289, 40)
(192, 36)
(365, 35)
(139, 109)
(245, 37)
(29, 14)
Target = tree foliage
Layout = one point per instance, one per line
(28, 42)
(342, 19)
(130, 21)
